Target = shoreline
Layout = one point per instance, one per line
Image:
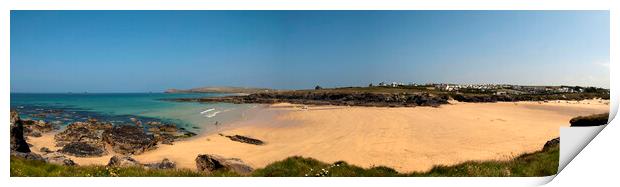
(404, 138)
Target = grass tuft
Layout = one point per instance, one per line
(540, 163)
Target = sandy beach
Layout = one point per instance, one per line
(406, 139)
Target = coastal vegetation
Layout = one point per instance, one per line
(408, 96)
(591, 120)
(540, 163)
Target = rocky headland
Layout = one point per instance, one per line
(331, 98)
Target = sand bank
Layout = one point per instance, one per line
(406, 139)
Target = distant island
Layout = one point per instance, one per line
(222, 89)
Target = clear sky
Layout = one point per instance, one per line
(137, 51)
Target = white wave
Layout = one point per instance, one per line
(212, 114)
(208, 110)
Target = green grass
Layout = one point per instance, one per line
(300, 167)
(32, 168)
(540, 163)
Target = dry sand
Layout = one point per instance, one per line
(406, 139)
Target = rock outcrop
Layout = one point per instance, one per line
(333, 98)
(85, 132)
(18, 142)
(126, 139)
(36, 128)
(210, 163)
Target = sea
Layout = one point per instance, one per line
(119, 108)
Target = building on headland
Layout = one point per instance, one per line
(497, 89)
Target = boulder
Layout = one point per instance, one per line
(60, 159)
(164, 164)
(210, 163)
(123, 161)
(18, 142)
(82, 149)
(244, 139)
(126, 139)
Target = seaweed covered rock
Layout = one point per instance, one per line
(210, 163)
(82, 149)
(126, 139)
(18, 142)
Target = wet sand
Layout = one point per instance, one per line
(406, 139)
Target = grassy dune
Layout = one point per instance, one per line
(540, 163)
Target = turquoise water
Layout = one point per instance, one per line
(120, 107)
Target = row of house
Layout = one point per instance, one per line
(500, 88)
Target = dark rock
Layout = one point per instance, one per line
(127, 139)
(551, 143)
(210, 163)
(18, 142)
(123, 161)
(57, 158)
(82, 149)
(244, 139)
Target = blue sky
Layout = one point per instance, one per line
(137, 51)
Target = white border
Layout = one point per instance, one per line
(570, 175)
